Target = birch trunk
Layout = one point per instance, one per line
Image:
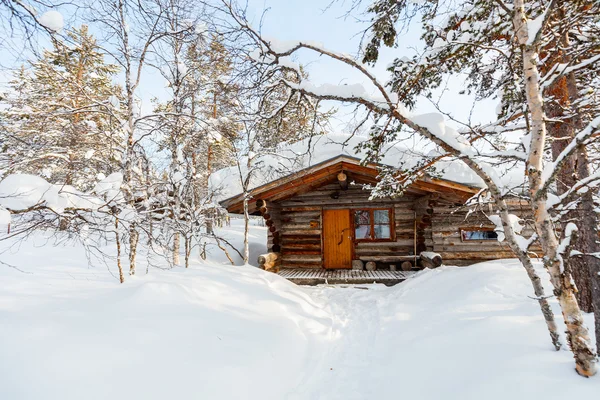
(246, 230)
(186, 246)
(176, 241)
(577, 333)
(133, 242)
(118, 242)
(129, 145)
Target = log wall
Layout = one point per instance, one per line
(301, 223)
(296, 227)
(448, 220)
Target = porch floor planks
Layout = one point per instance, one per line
(307, 276)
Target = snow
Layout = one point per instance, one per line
(182, 68)
(226, 183)
(52, 20)
(69, 331)
(22, 191)
(308, 152)
(114, 102)
(515, 223)
(109, 187)
(430, 254)
(564, 244)
(200, 28)
(4, 217)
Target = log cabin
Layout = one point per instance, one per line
(322, 218)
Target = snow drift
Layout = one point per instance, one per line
(235, 332)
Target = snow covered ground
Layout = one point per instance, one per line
(215, 331)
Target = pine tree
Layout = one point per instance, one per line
(62, 115)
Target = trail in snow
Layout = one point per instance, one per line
(68, 331)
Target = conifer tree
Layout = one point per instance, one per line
(62, 115)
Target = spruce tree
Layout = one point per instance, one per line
(62, 115)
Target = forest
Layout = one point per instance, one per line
(126, 124)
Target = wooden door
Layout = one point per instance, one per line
(337, 239)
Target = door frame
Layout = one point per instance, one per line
(352, 240)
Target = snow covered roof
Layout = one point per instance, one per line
(298, 158)
(327, 171)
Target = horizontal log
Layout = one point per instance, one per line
(300, 252)
(386, 258)
(302, 246)
(287, 226)
(430, 259)
(302, 264)
(294, 209)
(306, 240)
(302, 258)
(370, 253)
(268, 258)
(474, 255)
(307, 232)
(377, 245)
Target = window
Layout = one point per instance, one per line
(373, 224)
(478, 234)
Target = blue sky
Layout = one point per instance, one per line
(331, 25)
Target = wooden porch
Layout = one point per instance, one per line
(308, 276)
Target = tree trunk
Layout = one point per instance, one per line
(187, 249)
(577, 333)
(133, 242)
(176, 248)
(246, 230)
(118, 242)
(562, 125)
(587, 243)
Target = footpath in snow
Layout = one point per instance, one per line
(214, 331)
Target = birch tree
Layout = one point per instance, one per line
(131, 29)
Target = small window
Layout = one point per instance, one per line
(479, 234)
(372, 224)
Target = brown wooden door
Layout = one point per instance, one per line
(337, 239)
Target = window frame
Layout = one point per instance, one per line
(477, 229)
(371, 211)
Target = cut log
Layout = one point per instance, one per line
(406, 266)
(269, 261)
(393, 267)
(343, 180)
(358, 265)
(371, 266)
(430, 259)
